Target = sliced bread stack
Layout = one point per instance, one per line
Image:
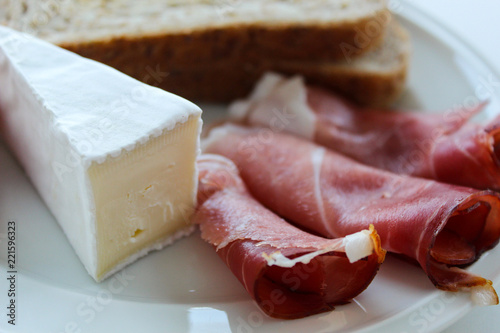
(215, 50)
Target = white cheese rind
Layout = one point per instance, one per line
(61, 113)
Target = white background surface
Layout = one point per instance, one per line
(478, 24)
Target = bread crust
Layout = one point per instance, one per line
(225, 84)
(244, 43)
(240, 43)
(365, 85)
(222, 64)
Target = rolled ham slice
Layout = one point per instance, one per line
(442, 227)
(288, 272)
(443, 147)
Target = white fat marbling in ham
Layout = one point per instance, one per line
(317, 161)
(285, 106)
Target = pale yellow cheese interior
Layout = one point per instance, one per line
(145, 195)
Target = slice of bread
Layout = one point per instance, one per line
(376, 78)
(183, 32)
(215, 50)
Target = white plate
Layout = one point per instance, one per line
(187, 288)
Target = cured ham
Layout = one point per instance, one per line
(288, 272)
(443, 147)
(442, 227)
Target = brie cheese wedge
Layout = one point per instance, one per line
(113, 159)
